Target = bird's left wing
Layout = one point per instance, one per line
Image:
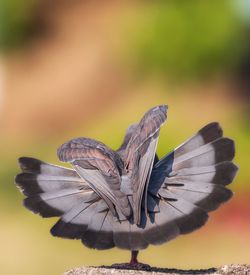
(99, 167)
(140, 154)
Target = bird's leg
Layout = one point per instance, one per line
(134, 255)
(133, 264)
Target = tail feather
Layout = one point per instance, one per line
(74, 222)
(99, 232)
(57, 191)
(32, 184)
(56, 203)
(161, 228)
(51, 190)
(122, 233)
(174, 218)
(128, 235)
(38, 206)
(35, 166)
(206, 135)
(205, 195)
(137, 238)
(191, 180)
(217, 151)
(39, 177)
(222, 173)
(187, 216)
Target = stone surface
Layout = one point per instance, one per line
(226, 269)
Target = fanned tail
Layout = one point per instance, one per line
(52, 190)
(190, 182)
(183, 188)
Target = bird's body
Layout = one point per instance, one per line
(128, 198)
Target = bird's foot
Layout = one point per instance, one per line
(132, 265)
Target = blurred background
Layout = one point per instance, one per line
(90, 68)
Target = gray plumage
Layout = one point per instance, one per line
(128, 198)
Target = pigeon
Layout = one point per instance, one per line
(129, 198)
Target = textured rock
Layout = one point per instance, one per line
(226, 269)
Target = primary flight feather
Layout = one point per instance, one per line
(128, 198)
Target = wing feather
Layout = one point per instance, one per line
(140, 154)
(100, 167)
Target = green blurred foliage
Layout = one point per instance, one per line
(16, 21)
(186, 38)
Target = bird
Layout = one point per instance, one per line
(129, 198)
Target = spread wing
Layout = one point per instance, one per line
(100, 167)
(140, 154)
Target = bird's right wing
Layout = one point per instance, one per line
(140, 155)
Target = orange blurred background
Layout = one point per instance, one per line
(91, 68)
